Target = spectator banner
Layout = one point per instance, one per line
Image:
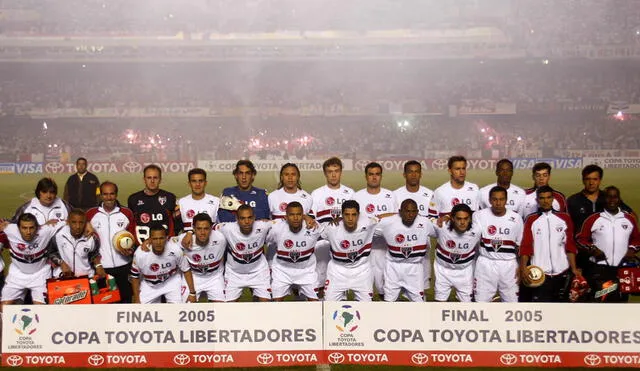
(556, 163)
(481, 335)
(227, 166)
(7, 168)
(614, 162)
(624, 107)
(485, 107)
(601, 153)
(29, 167)
(180, 335)
(119, 167)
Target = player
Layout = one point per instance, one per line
(497, 265)
(81, 189)
(349, 268)
(457, 190)
(245, 173)
(458, 241)
(205, 254)
(515, 194)
(541, 174)
(198, 201)
(327, 205)
(408, 242)
(289, 189)
(295, 262)
(609, 238)
(46, 205)
(108, 219)
(152, 205)
(376, 200)
(28, 244)
(156, 274)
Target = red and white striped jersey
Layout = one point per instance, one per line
(446, 197)
(423, 197)
(189, 208)
(548, 237)
(245, 253)
(614, 234)
(293, 250)
(456, 250)
(156, 269)
(327, 201)
(500, 235)
(29, 256)
(279, 199)
(407, 244)
(515, 197)
(209, 259)
(372, 205)
(351, 249)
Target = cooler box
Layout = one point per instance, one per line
(107, 291)
(69, 290)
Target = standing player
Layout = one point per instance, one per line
(408, 242)
(289, 190)
(245, 173)
(46, 205)
(349, 268)
(156, 274)
(327, 203)
(294, 263)
(497, 265)
(457, 190)
(198, 201)
(152, 205)
(548, 243)
(376, 200)
(458, 240)
(81, 189)
(541, 174)
(515, 194)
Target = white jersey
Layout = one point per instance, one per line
(206, 260)
(327, 202)
(455, 250)
(59, 210)
(29, 257)
(351, 249)
(293, 250)
(77, 252)
(189, 208)
(279, 199)
(501, 235)
(374, 204)
(446, 197)
(245, 253)
(156, 269)
(515, 197)
(423, 197)
(407, 244)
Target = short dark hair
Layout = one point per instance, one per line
(28, 217)
(453, 159)
(593, 168)
(351, 204)
(294, 204)
(244, 207)
(289, 164)
(408, 201)
(157, 227)
(504, 161)
(411, 163)
(456, 209)
(372, 165)
(78, 212)
(195, 171)
(45, 185)
(107, 182)
(81, 159)
(331, 161)
(612, 188)
(246, 163)
(497, 189)
(541, 166)
(544, 189)
(152, 167)
(202, 217)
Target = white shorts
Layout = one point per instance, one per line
(407, 276)
(323, 256)
(170, 289)
(459, 279)
(341, 279)
(18, 283)
(283, 278)
(211, 285)
(495, 275)
(378, 259)
(427, 271)
(258, 282)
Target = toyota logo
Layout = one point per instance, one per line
(508, 359)
(131, 167)
(264, 358)
(336, 358)
(439, 164)
(181, 359)
(592, 360)
(14, 360)
(54, 168)
(419, 358)
(95, 360)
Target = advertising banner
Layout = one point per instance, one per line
(29, 167)
(556, 163)
(7, 168)
(227, 166)
(119, 167)
(614, 162)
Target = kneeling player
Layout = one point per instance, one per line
(156, 273)
(295, 262)
(455, 255)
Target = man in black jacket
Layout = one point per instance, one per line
(82, 188)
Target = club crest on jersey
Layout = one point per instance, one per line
(399, 238)
(370, 208)
(288, 244)
(58, 215)
(154, 267)
(330, 201)
(345, 244)
(196, 258)
(559, 228)
(625, 227)
(283, 206)
(294, 255)
(353, 256)
(162, 200)
(191, 213)
(240, 246)
(406, 251)
(247, 257)
(454, 258)
(492, 230)
(496, 243)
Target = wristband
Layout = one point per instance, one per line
(192, 294)
(98, 265)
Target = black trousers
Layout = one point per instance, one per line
(121, 274)
(555, 289)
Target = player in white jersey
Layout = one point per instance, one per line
(541, 174)
(289, 189)
(327, 204)
(457, 190)
(456, 250)
(408, 242)
(515, 194)
(375, 200)
(74, 253)
(198, 201)
(294, 263)
(497, 267)
(349, 268)
(28, 244)
(422, 196)
(205, 255)
(46, 205)
(246, 265)
(156, 273)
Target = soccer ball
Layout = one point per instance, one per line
(535, 276)
(123, 240)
